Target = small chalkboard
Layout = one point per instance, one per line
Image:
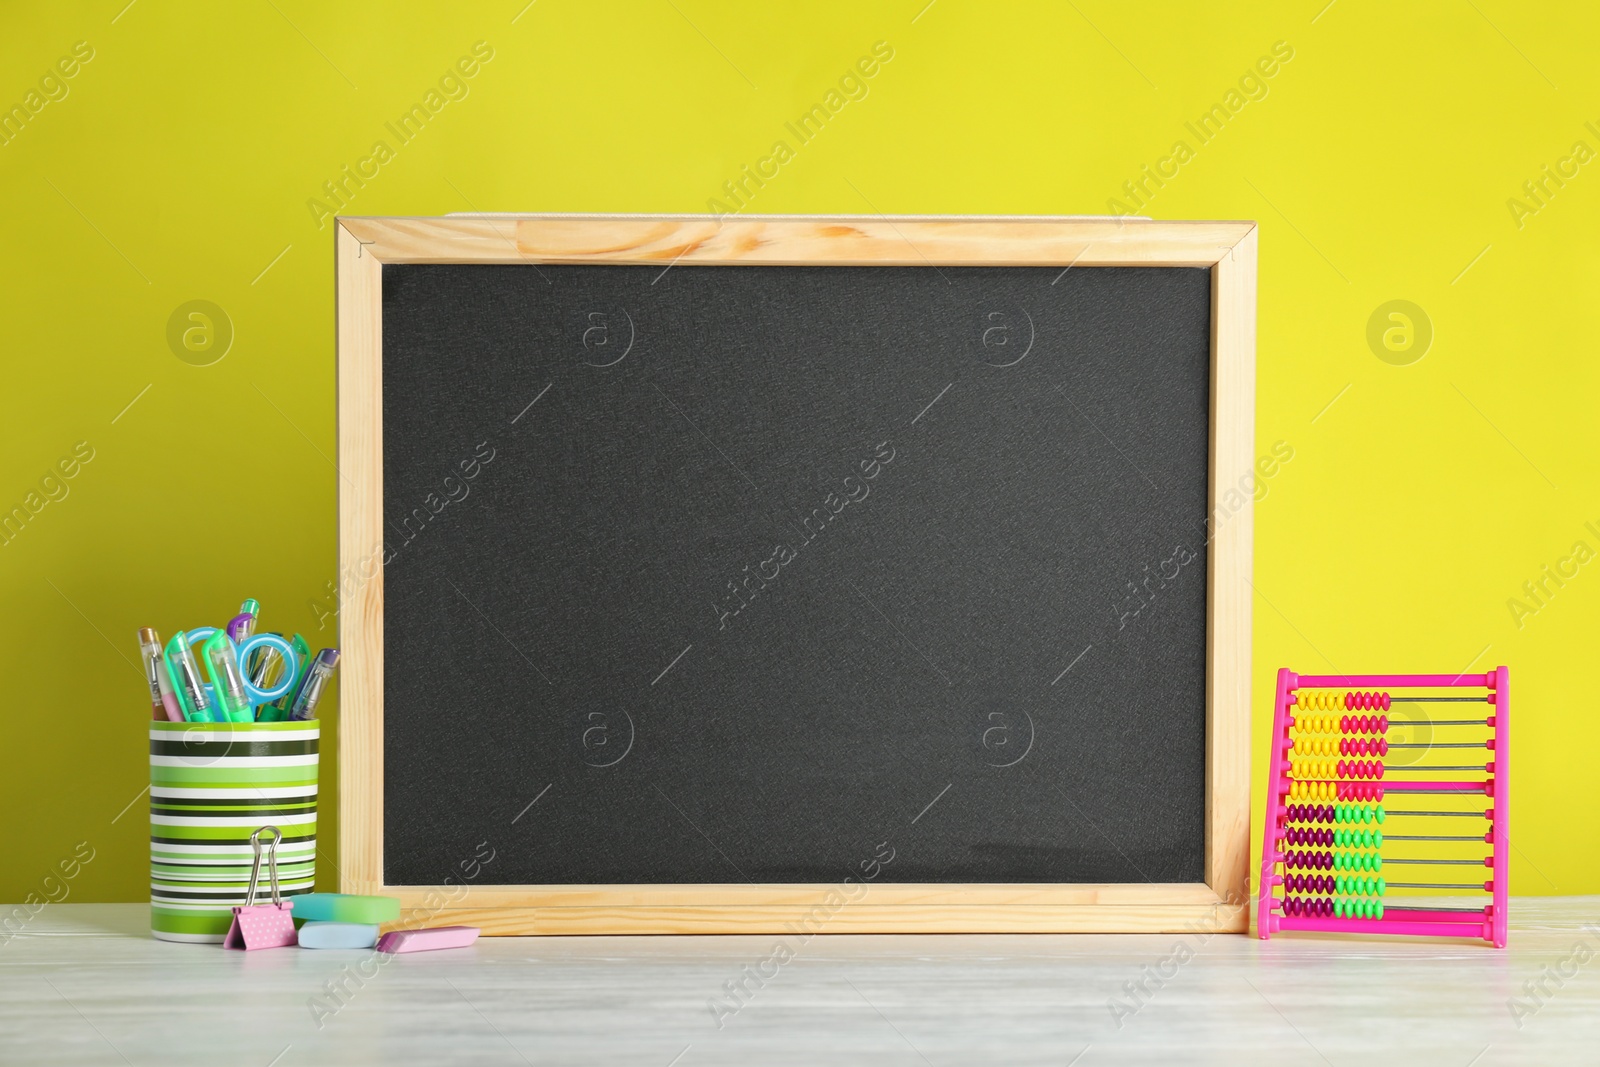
(867, 574)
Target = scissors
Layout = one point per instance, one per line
(234, 693)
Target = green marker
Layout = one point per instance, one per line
(278, 710)
(227, 680)
(185, 673)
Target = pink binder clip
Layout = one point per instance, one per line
(263, 925)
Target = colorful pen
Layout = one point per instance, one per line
(227, 680)
(264, 672)
(163, 703)
(278, 710)
(305, 701)
(185, 674)
(252, 608)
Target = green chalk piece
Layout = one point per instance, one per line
(339, 935)
(345, 908)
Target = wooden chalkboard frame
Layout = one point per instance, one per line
(1228, 249)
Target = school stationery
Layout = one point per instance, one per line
(347, 908)
(193, 697)
(227, 680)
(427, 940)
(1356, 773)
(223, 707)
(320, 934)
(255, 925)
(163, 701)
(305, 701)
(241, 626)
(210, 785)
(295, 672)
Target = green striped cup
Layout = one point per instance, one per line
(211, 786)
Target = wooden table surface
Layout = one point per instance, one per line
(84, 984)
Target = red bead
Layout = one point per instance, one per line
(1383, 746)
(1349, 701)
(1384, 703)
(1383, 724)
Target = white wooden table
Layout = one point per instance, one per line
(84, 984)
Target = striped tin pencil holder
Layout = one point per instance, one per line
(212, 785)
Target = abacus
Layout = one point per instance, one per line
(1326, 807)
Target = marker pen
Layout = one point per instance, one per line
(227, 680)
(163, 702)
(278, 710)
(185, 674)
(251, 607)
(305, 701)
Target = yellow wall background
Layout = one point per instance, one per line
(1379, 162)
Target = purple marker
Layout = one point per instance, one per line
(305, 701)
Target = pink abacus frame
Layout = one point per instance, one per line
(1491, 924)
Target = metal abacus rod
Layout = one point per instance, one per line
(1451, 814)
(1437, 885)
(1439, 744)
(1431, 837)
(1442, 767)
(1479, 789)
(1447, 863)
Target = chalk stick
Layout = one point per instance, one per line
(427, 940)
(338, 935)
(346, 908)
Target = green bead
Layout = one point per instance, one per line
(1377, 839)
(1380, 814)
(1382, 887)
(1377, 909)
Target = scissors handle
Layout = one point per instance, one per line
(256, 695)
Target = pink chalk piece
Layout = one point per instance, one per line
(427, 940)
(1276, 913)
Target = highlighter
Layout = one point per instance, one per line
(305, 701)
(227, 680)
(278, 710)
(164, 703)
(243, 626)
(185, 673)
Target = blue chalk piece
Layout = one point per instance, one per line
(338, 935)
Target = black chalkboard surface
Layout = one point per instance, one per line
(741, 574)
